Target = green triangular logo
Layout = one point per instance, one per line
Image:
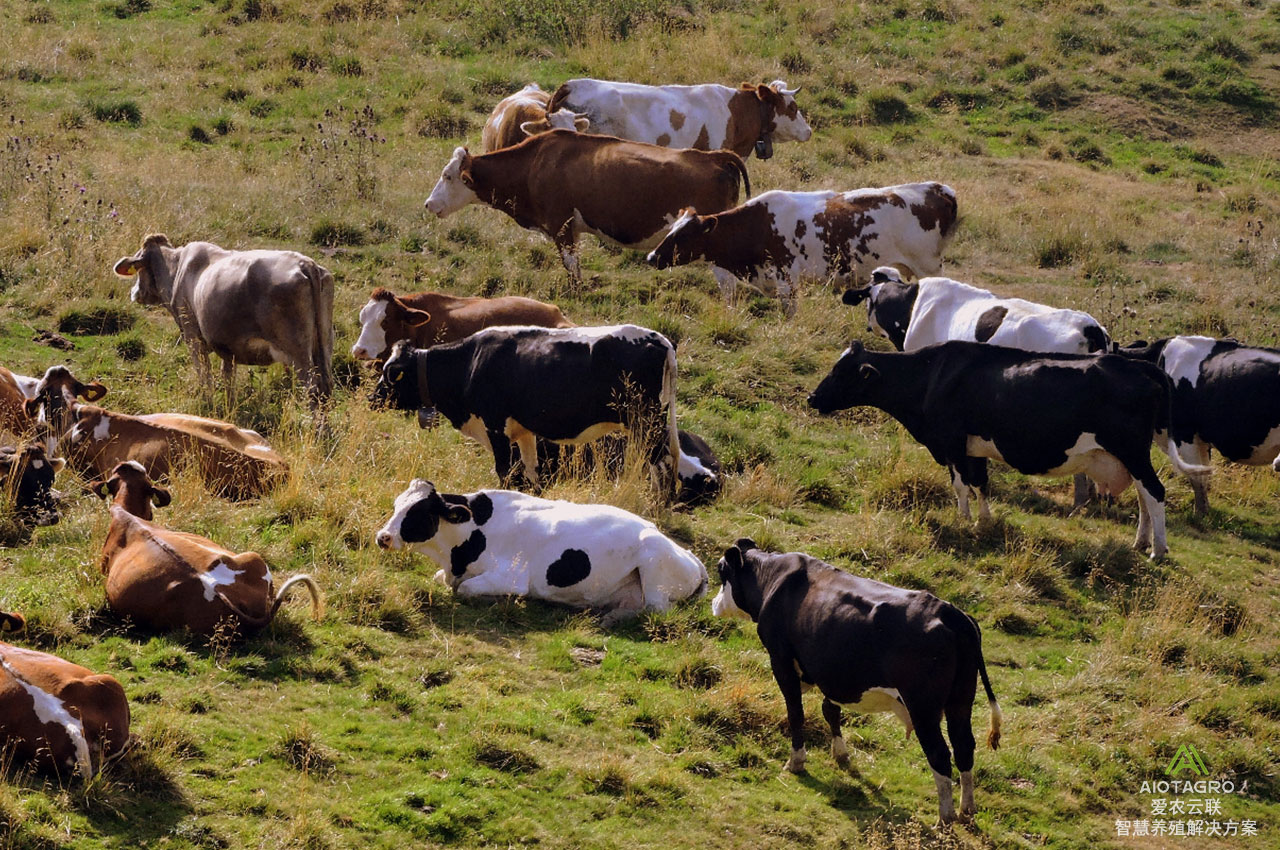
(1186, 758)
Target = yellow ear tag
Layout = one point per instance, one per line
(399, 377)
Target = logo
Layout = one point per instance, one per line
(1186, 758)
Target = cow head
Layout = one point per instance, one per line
(740, 595)
(699, 470)
(455, 188)
(154, 283)
(132, 489)
(684, 241)
(561, 119)
(417, 515)
(27, 473)
(11, 624)
(889, 304)
(403, 382)
(54, 403)
(785, 123)
(849, 383)
(385, 320)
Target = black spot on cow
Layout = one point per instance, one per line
(420, 522)
(481, 508)
(465, 555)
(1096, 339)
(571, 567)
(989, 323)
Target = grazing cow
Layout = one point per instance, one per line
(1043, 414)
(27, 473)
(170, 580)
(1226, 396)
(564, 184)
(567, 385)
(501, 543)
(699, 470)
(868, 647)
(705, 117)
(777, 239)
(432, 318)
(251, 307)
(233, 462)
(57, 715)
(525, 114)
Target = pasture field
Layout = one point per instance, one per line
(1122, 158)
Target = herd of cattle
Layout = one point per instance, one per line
(974, 377)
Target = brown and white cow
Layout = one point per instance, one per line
(40, 406)
(233, 462)
(170, 580)
(778, 238)
(433, 318)
(525, 114)
(705, 117)
(564, 184)
(57, 715)
(250, 307)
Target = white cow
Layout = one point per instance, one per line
(503, 543)
(525, 114)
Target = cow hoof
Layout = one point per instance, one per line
(842, 761)
(796, 765)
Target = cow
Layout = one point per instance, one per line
(1226, 396)
(777, 239)
(868, 647)
(56, 715)
(503, 543)
(525, 114)
(505, 385)
(170, 580)
(563, 184)
(15, 391)
(233, 462)
(26, 475)
(41, 406)
(705, 117)
(251, 307)
(1043, 414)
(936, 309)
(698, 470)
(432, 318)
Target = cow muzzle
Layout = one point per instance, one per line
(428, 417)
(385, 540)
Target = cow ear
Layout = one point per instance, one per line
(457, 514)
(709, 223)
(160, 497)
(416, 318)
(745, 544)
(127, 266)
(31, 407)
(467, 179)
(57, 463)
(868, 372)
(856, 296)
(733, 558)
(763, 91)
(92, 391)
(533, 128)
(581, 123)
(98, 487)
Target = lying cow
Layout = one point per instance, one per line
(432, 318)
(567, 385)
(26, 475)
(1043, 414)
(250, 307)
(502, 543)
(1226, 396)
(57, 715)
(564, 184)
(233, 462)
(41, 406)
(777, 239)
(868, 647)
(525, 114)
(705, 117)
(170, 580)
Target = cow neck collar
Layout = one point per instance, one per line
(424, 391)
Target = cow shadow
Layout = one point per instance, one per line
(1219, 521)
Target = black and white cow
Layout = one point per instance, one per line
(505, 385)
(699, 470)
(868, 647)
(1043, 414)
(503, 543)
(26, 474)
(1226, 396)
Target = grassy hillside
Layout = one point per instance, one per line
(1119, 158)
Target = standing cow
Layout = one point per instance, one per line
(777, 239)
(705, 117)
(868, 647)
(563, 184)
(251, 307)
(525, 114)
(1226, 396)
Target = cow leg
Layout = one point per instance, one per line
(727, 282)
(1085, 490)
(501, 447)
(200, 356)
(976, 476)
(787, 296)
(1199, 454)
(229, 381)
(960, 731)
(839, 751)
(962, 492)
(784, 672)
(1155, 525)
(528, 445)
(927, 718)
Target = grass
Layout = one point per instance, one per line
(1118, 158)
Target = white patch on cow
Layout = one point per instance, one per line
(1184, 355)
(875, 700)
(29, 387)
(37, 464)
(135, 293)
(51, 710)
(102, 429)
(946, 803)
(981, 447)
(724, 605)
(1266, 453)
(136, 465)
(258, 447)
(373, 337)
(220, 575)
(450, 193)
(474, 429)
(691, 467)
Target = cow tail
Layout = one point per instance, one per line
(997, 716)
(952, 217)
(669, 399)
(742, 169)
(322, 349)
(1164, 422)
(558, 98)
(317, 599)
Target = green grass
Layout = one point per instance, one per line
(1114, 158)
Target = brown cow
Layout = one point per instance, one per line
(525, 114)
(39, 406)
(564, 184)
(233, 462)
(433, 318)
(169, 580)
(55, 714)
